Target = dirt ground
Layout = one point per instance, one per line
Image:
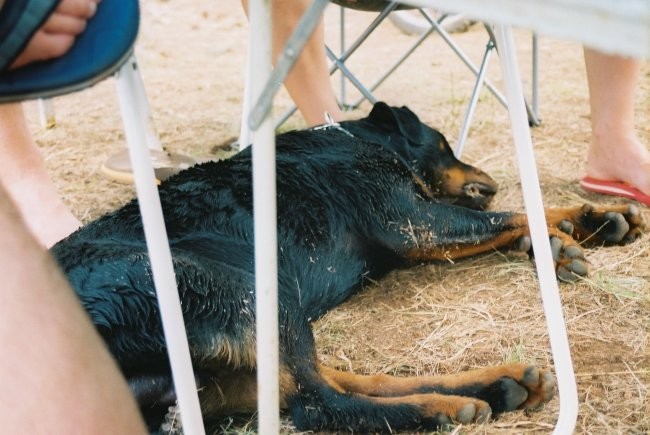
(440, 318)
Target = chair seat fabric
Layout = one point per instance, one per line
(97, 53)
(368, 5)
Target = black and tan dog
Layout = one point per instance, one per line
(354, 202)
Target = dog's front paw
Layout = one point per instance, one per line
(616, 225)
(569, 258)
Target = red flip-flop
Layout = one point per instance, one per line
(616, 188)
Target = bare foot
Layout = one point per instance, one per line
(620, 159)
(59, 31)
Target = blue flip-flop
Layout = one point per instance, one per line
(106, 43)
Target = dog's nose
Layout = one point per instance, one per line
(477, 189)
(477, 195)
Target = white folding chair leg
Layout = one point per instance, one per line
(245, 134)
(138, 99)
(159, 253)
(534, 100)
(46, 112)
(342, 88)
(265, 226)
(539, 233)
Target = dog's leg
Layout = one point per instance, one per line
(321, 404)
(317, 403)
(568, 256)
(504, 388)
(439, 233)
(436, 232)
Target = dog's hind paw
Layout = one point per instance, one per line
(540, 385)
(517, 386)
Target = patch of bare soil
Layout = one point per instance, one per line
(440, 318)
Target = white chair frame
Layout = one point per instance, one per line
(261, 122)
(634, 19)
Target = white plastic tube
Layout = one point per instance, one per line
(538, 232)
(140, 96)
(159, 252)
(265, 224)
(46, 112)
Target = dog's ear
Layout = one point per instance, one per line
(399, 120)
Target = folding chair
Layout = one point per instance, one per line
(428, 25)
(260, 121)
(385, 9)
(100, 52)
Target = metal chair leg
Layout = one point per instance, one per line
(478, 85)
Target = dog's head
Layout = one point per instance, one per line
(428, 153)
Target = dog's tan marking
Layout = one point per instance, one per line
(455, 179)
(458, 409)
(422, 187)
(236, 354)
(235, 391)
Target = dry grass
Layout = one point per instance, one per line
(439, 318)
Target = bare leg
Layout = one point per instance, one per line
(23, 173)
(55, 372)
(616, 153)
(308, 82)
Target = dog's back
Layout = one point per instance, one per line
(334, 193)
